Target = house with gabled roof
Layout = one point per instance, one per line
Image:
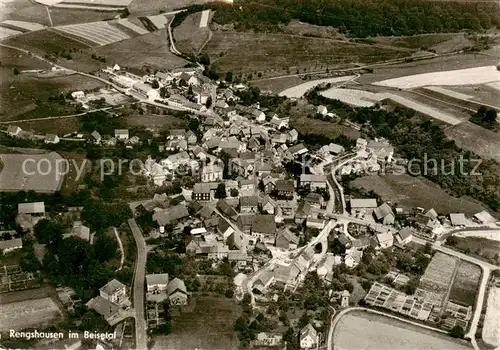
(384, 214)
(404, 236)
(264, 227)
(308, 337)
(248, 204)
(13, 130)
(177, 292)
(286, 239)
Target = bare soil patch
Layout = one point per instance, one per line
(410, 192)
(464, 288)
(206, 322)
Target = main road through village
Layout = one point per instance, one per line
(138, 287)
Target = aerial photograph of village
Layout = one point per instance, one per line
(250, 174)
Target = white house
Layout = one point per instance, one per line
(211, 173)
(385, 240)
(121, 134)
(404, 236)
(308, 337)
(13, 130)
(51, 138)
(114, 291)
(156, 282)
(77, 95)
(322, 110)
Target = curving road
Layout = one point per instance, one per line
(138, 287)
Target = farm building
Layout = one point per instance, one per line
(458, 219)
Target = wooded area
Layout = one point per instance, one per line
(359, 18)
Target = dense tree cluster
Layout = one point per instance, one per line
(358, 18)
(485, 117)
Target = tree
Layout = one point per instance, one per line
(457, 332)
(104, 248)
(16, 71)
(220, 192)
(125, 13)
(229, 77)
(234, 192)
(209, 102)
(155, 84)
(48, 232)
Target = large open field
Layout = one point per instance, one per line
(141, 7)
(361, 330)
(149, 50)
(206, 322)
(37, 172)
(442, 42)
(491, 328)
(189, 37)
(464, 288)
(274, 54)
(27, 95)
(24, 10)
(485, 143)
(410, 192)
(443, 63)
(28, 313)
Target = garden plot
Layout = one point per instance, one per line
(6, 32)
(491, 327)
(132, 26)
(465, 285)
(101, 33)
(437, 277)
(478, 75)
(22, 25)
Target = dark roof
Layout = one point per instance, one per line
(249, 201)
(225, 208)
(285, 185)
(264, 224)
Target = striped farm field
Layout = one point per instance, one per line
(100, 33)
